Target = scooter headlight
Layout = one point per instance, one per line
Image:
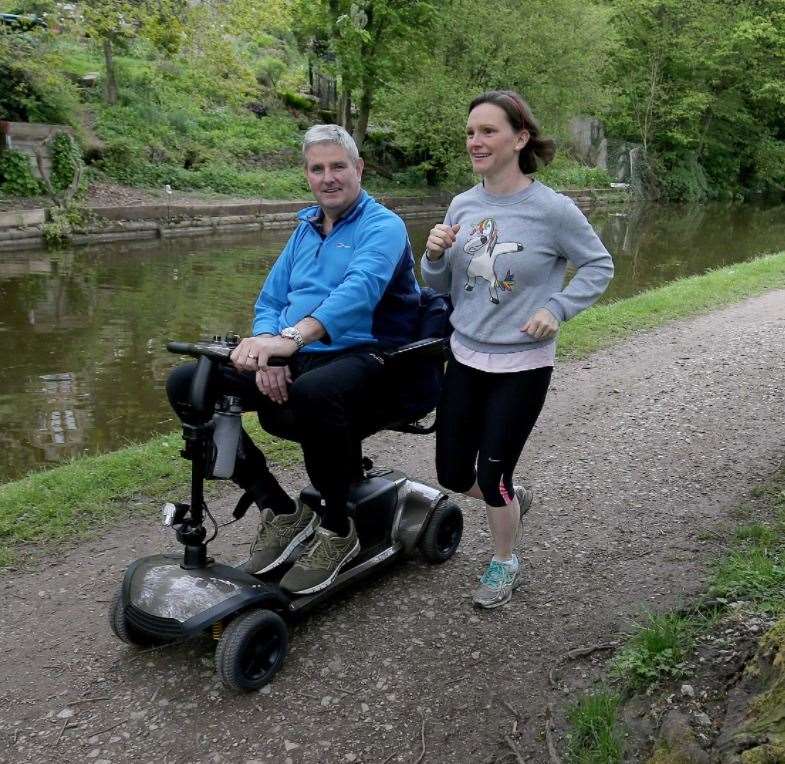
(167, 514)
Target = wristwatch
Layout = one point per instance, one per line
(293, 334)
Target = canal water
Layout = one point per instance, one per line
(83, 331)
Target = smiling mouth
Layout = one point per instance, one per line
(480, 156)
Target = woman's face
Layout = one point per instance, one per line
(492, 144)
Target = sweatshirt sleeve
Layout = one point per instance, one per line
(377, 252)
(437, 274)
(578, 242)
(273, 296)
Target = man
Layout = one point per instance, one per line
(342, 289)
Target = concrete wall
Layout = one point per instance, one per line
(26, 137)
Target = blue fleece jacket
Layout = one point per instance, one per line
(358, 281)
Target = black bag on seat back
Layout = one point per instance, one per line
(415, 386)
(434, 318)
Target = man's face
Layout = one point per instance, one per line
(333, 177)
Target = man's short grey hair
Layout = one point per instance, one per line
(330, 134)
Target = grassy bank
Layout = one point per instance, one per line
(748, 579)
(605, 325)
(66, 501)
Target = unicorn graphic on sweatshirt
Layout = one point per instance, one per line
(484, 247)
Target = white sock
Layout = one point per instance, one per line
(511, 563)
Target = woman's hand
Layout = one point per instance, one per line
(542, 325)
(440, 238)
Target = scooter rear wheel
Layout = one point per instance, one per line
(252, 649)
(443, 532)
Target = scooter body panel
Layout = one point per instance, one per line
(164, 599)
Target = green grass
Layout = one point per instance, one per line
(657, 649)
(70, 501)
(594, 735)
(605, 325)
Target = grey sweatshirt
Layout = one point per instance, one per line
(509, 260)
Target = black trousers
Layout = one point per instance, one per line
(331, 408)
(483, 421)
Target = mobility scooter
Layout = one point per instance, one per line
(172, 597)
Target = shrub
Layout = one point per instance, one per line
(16, 175)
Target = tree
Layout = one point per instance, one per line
(115, 22)
(700, 84)
(372, 42)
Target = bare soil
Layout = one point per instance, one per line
(642, 455)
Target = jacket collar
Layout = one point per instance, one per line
(314, 214)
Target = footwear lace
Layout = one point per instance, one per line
(324, 554)
(270, 531)
(495, 576)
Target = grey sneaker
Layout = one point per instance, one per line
(278, 536)
(317, 568)
(524, 496)
(497, 585)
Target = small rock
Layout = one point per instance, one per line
(326, 700)
(365, 708)
(66, 713)
(703, 719)
(290, 746)
(688, 691)
(93, 754)
(351, 757)
(476, 655)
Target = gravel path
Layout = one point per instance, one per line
(639, 460)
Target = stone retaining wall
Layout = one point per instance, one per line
(23, 228)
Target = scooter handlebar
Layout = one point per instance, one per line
(217, 350)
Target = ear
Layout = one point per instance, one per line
(359, 165)
(523, 139)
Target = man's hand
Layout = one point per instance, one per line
(251, 353)
(542, 325)
(440, 238)
(273, 381)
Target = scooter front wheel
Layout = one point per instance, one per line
(123, 629)
(252, 649)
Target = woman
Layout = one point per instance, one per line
(502, 252)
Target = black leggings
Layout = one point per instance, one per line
(483, 421)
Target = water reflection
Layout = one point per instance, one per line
(82, 332)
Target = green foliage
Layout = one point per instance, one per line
(296, 100)
(61, 222)
(16, 176)
(657, 649)
(754, 571)
(425, 106)
(700, 84)
(66, 159)
(88, 493)
(32, 85)
(269, 70)
(564, 173)
(594, 736)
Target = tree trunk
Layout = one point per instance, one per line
(110, 88)
(346, 110)
(362, 115)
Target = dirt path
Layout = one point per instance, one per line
(641, 453)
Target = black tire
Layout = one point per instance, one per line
(126, 631)
(251, 650)
(443, 532)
